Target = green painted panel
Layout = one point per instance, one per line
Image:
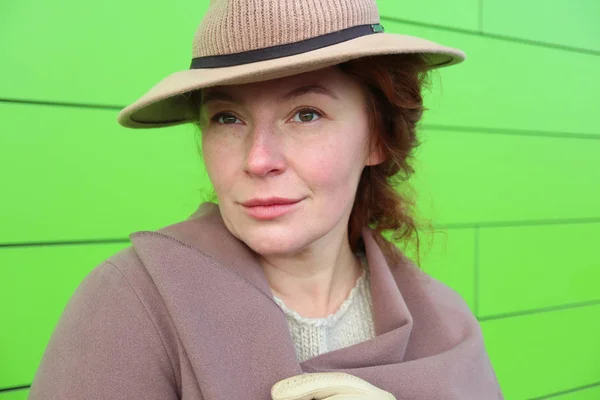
(14, 395)
(105, 52)
(509, 85)
(545, 353)
(463, 14)
(476, 177)
(35, 285)
(448, 255)
(571, 23)
(584, 394)
(75, 174)
(531, 267)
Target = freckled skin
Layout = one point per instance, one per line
(313, 147)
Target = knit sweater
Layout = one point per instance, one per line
(352, 323)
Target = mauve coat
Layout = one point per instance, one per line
(186, 312)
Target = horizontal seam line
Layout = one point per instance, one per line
(61, 104)
(539, 310)
(531, 42)
(14, 388)
(65, 243)
(511, 131)
(501, 224)
(568, 391)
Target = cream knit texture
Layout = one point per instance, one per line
(352, 323)
(232, 26)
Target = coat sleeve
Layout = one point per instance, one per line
(105, 346)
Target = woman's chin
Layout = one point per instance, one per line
(275, 243)
(274, 247)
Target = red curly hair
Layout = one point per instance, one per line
(393, 86)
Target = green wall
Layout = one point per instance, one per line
(510, 169)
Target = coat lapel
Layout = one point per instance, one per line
(233, 332)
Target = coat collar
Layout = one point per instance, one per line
(213, 286)
(206, 231)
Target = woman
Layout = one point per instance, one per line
(287, 288)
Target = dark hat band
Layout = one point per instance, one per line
(284, 50)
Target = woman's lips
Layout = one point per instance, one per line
(266, 210)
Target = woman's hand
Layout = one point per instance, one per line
(327, 385)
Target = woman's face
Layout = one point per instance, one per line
(300, 140)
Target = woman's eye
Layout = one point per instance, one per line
(224, 118)
(306, 115)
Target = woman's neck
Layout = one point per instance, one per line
(314, 284)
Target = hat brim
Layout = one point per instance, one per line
(164, 104)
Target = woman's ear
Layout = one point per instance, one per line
(376, 157)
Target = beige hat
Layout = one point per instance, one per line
(243, 41)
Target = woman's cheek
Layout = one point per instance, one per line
(326, 169)
(216, 167)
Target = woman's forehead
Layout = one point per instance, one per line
(287, 88)
(321, 76)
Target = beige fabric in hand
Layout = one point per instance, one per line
(327, 385)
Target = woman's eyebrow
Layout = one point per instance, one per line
(314, 88)
(297, 92)
(217, 95)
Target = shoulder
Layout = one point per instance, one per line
(139, 282)
(424, 291)
(444, 294)
(105, 282)
(441, 319)
(123, 278)
(108, 330)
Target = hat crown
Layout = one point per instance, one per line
(235, 26)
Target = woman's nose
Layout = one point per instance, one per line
(265, 153)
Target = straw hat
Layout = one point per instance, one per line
(243, 41)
